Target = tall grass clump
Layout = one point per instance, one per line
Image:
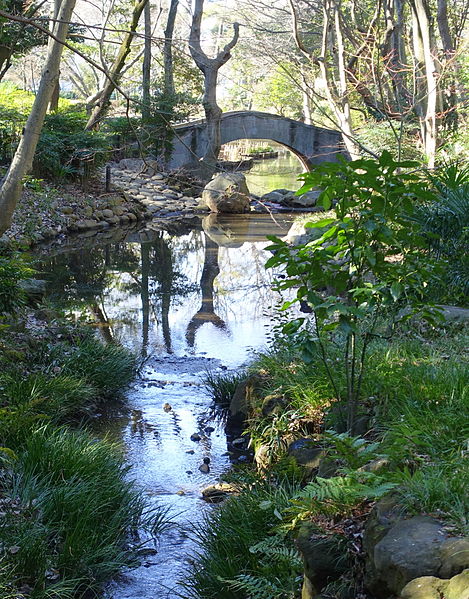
(109, 368)
(58, 398)
(221, 385)
(229, 553)
(69, 511)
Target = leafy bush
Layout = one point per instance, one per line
(446, 224)
(66, 151)
(15, 106)
(379, 136)
(368, 263)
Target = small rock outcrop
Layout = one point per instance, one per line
(217, 493)
(227, 193)
(325, 558)
(307, 454)
(243, 398)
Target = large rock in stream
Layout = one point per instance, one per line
(227, 193)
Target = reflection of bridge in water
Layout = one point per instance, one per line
(311, 144)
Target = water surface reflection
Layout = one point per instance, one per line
(186, 303)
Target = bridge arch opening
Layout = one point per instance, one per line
(267, 164)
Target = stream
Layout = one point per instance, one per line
(186, 302)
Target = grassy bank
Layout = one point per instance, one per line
(413, 434)
(67, 507)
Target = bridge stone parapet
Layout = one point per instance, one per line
(311, 144)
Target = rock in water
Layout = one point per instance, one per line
(205, 468)
(195, 437)
(227, 193)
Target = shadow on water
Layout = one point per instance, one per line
(186, 302)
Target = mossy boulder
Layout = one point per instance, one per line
(307, 453)
(431, 587)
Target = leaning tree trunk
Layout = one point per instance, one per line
(209, 68)
(113, 76)
(11, 186)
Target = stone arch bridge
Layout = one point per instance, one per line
(311, 144)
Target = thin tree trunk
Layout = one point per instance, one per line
(210, 68)
(11, 186)
(451, 88)
(112, 79)
(168, 50)
(426, 104)
(146, 70)
(54, 101)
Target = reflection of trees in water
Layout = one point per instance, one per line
(247, 279)
(206, 312)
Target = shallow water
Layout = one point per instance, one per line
(186, 303)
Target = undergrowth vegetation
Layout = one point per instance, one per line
(413, 444)
(370, 390)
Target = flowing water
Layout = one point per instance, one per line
(187, 303)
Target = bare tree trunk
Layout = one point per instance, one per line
(307, 112)
(146, 70)
(11, 186)
(427, 101)
(168, 50)
(336, 91)
(112, 79)
(5, 60)
(54, 101)
(451, 91)
(210, 68)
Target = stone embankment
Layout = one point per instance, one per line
(143, 183)
(137, 193)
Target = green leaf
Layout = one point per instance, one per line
(320, 223)
(396, 290)
(293, 326)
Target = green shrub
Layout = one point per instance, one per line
(378, 136)
(367, 265)
(13, 269)
(15, 106)
(446, 224)
(69, 511)
(66, 151)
